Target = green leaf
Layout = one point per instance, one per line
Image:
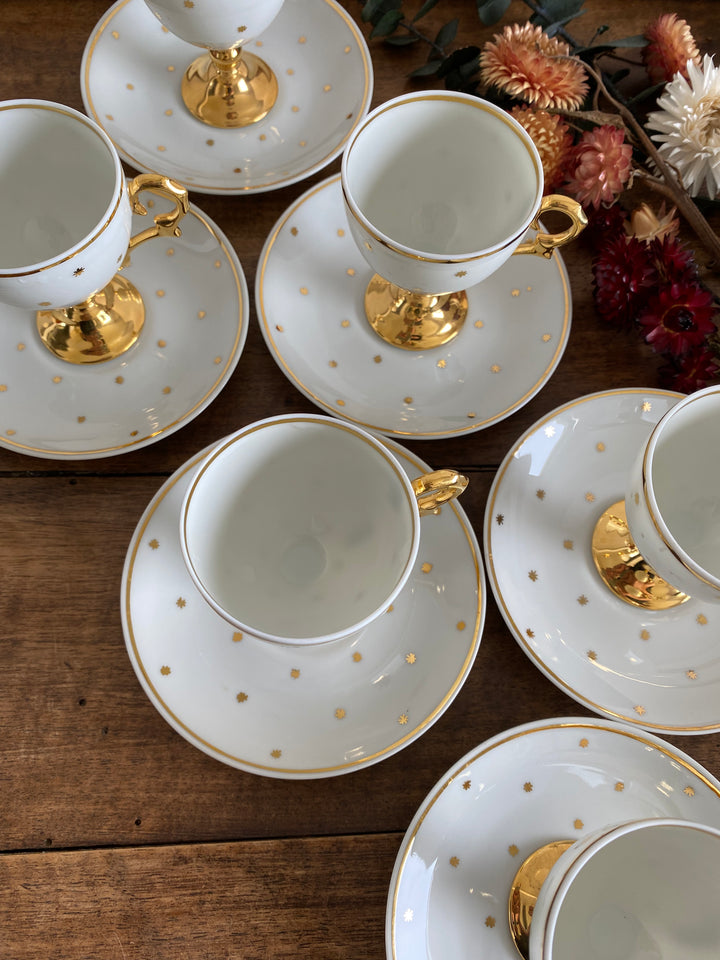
(447, 34)
(424, 9)
(457, 59)
(556, 11)
(401, 41)
(490, 11)
(387, 24)
(429, 69)
(374, 10)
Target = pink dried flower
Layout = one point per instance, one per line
(603, 165)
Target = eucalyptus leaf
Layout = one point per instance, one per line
(428, 69)
(401, 41)
(447, 33)
(424, 9)
(387, 24)
(558, 11)
(457, 59)
(490, 11)
(374, 10)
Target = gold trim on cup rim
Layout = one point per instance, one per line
(478, 104)
(105, 140)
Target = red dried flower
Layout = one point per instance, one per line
(603, 165)
(675, 262)
(670, 46)
(678, 317)
(694, 370)
(527, 64)
(604, 224)
(624, 275)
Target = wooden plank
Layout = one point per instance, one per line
(314, 898)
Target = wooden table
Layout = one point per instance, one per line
(121, 840)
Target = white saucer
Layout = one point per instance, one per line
(130, 79)
(309, 292)
(290, 712)
(196, 321)
(657, 669)
(557, 779)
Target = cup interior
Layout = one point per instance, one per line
(682, 469)
(299, 529)
(58, 177)
(644, 891)
(443, 175)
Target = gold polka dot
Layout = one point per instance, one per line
(479, 324)
(357, 657)
(410, 658)
(426, 567)
(217, 361)
(304, 291)
(460, 625)
(57, 379)
(407, 400)
(237, 636)
(217, 264)
(153, 544)
(134, 433)
(340, 713)
(341, 403)
(171, 68)
(109, 116)
(295, 108)
(168, 113)
(584, 743)
(210, 143)
(20, 346)
(170, 252)
(454, 861)
(303, 143)
(290, 71)
(159, 293)
(495, 368)
(345, 324)
(262, 137)
(279, 327)
(578, 824)
(341, 232)
(129, 86)
(161, 149)
(644, 634)
(490, 922)
(295, 673)
(350, 272)
(294, 231)
(332, 363)
(619, 786)
(115, 34)
(201, 314)
(600, 447)
(165, 671)
(377, 358)
(327, 88)
(81, 419)
(167, 390)
(162, 343)
(689, 791)
(3, 388)
(347, 49)
(237, 170)
(302, 39)
(10, 433)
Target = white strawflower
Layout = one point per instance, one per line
(689, 127)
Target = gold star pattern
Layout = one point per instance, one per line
(540, 494)
(410, 658)
(584, 743)
(181, 602)
(454, 861)
(644, 634)
(294, 673)
(461, 273)
(590, 497)
(527, 787)
(304, 291)
(691, 675)
(408, 915)
(549, 431)
(466, 784)
(569, 544)
(533, 575)
(515, 293)
(592, 655)
(646, 406)
(530, 633)
(357, 657)
(237, 636)
(702, 619)
(578, 824)
(490, 922)
(377, 358)
(294, 231)
(153, 544)
(495, 368)
(79, 271)
(345, 324)
(165, 671)
(403, 719)
(546, 338)
(442, 364)
(79, 419)
(276, 754)
(479, 324)
(640, 710)
(426, 567)
(583, 600)
(241, 697)
(689, 791)
(619, 786)
(340, 713)
(500, 519)
(600, 447)
(513, 850)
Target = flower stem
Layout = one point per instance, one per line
(704, 232)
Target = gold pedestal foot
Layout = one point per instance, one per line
(225, 88)
(623, 568)
(101, 328)
(525, 888)
(413, 321)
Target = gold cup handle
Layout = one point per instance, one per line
(544, 243)
(434, 489)
(164, 224)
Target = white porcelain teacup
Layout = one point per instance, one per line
(673, 496)
(642, 890)
(227, 87)
(66, 221)
(440, 189)
(304, 529)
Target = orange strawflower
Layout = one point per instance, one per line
(603, 167)
(670, 46)
(524, 62)
(552, 138)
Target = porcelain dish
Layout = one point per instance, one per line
(130, 80)
(556, 779)
(657, 669)
(291, 712)
(309, 292)
(196, 323)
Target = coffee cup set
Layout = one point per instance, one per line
(312, 546)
